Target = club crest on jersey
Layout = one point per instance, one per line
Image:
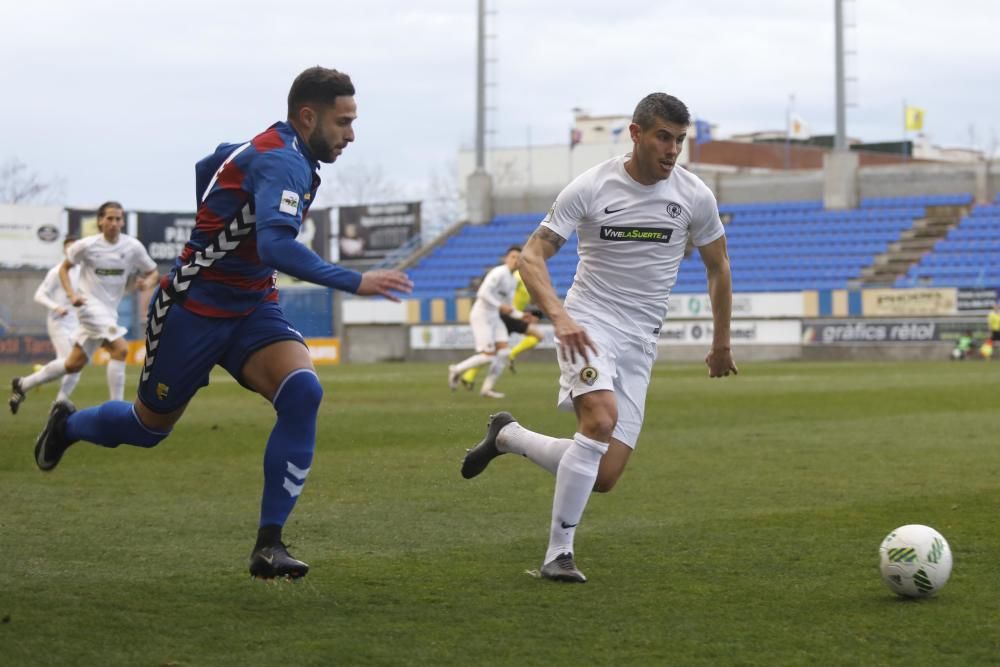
(674, 209)
(289, 202)
(609, 233)
(588, 375)
(161, 391)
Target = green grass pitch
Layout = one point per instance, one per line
(745, 531)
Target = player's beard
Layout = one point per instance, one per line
(320, 147)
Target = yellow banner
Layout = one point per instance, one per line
(914, 119)
(890, 302)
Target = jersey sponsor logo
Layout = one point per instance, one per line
(289, 202)
(608, 210)
(674, 209)
(109, 272)
(589, 375)
(636, 234)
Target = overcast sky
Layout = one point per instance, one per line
(120, 99)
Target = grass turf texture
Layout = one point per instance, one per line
(744, 532)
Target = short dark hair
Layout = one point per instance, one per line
(318, 85)
(103, 208)
(70, 238)
(512, 249)
(662, 106)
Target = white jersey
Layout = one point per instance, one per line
(497, 288)
(51, 293)
(105, 267)
(631, 241)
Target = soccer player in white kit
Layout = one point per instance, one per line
(633, 216)
(61, 321)
(490, 333)
(106, 261)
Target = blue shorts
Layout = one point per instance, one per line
(191, 345)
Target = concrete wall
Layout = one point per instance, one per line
(364, 343)
(917, 179)
(17, 304)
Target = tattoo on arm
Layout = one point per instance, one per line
(549, 237)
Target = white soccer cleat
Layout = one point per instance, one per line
(489, 393)
(453, 378)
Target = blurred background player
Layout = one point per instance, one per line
(526, 327)
(492, 300)
(61, 321)
(219, 306)
(106, 261)
(633, 215)
(990, 344)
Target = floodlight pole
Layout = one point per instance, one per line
(840, 139)
(481, 88)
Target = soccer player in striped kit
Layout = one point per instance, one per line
(219, 306)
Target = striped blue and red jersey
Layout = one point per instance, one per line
(270, 180)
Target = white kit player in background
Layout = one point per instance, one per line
(61, 321)
(490, 333)
(633, 216)
(106, 262)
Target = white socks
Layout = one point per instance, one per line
(540, 449)
(474, 361)
(68, 385)
(116, 379)
(47, 373)
(496, 368)
(574, 481)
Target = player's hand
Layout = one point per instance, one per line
(59, 311)
(720, 362)
(78, 300)
(384, 282)
(572, 339)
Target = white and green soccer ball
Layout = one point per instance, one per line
(915, 561)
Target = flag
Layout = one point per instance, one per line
(914, 118)
(575, 136)
(797, 128)
(702, 131)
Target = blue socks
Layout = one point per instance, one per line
(111, 424)
(290, 448)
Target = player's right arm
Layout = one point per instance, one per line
(543, 244)
(67, 285)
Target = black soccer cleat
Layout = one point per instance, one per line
(510, 365)
(274, 561)
(52, 442)
(563, 568)
(17, 395)
(477, 458)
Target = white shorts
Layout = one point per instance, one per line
(623, 365)
(97, 325)
(61, 330)
(487, 328)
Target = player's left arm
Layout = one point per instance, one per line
(148, 273)
(280, 186)
(720, 291)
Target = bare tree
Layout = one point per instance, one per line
(19, 185)
(440, 206)
(361, 184)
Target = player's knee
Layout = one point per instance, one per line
(605, 483)
(75, 365)
(142, 435)
(299, 394)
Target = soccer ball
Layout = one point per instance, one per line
(915, 561)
